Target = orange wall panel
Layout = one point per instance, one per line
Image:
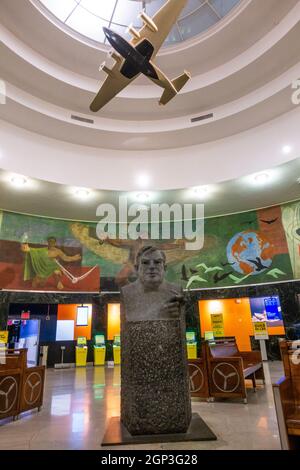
(69, 312)
(237, 319)
(113, 320)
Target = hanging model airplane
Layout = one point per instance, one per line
(136, 57)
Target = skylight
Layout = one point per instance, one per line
(87, 17)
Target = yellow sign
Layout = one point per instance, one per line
(261, 330)
(217, 324)
(3, 337)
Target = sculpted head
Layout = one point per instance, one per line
(150, 266)
(51, 242)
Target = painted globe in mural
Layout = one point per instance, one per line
(250, 252)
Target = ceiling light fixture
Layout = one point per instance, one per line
(18, 181)
(202, 191)
(286, 149)
(143, 197)
(82, 193)
(261, 178)
(143, 181)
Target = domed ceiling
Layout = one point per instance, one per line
(88, 17)
(234, 117)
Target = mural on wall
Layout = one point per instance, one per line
(291, 223)
(37, 254)
(254, 247)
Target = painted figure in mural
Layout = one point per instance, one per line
(41, 263)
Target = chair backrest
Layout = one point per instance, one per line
(13, 359)
(224, 349)
(291, 362)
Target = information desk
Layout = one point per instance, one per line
(117, 349)
(191, 344)
(81, 351)
(99, 350)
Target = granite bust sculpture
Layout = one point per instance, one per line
(155, 397)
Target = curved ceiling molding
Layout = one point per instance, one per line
(229, 197)
(229, 158)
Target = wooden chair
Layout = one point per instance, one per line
(11, 373)
(287, 396)
(21, 387)
(199, 386)
(228, 368)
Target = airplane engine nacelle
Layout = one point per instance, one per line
(148, 22)
(103, 68)
(131, 30)
(116, 57)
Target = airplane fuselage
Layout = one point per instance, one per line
(135, 62)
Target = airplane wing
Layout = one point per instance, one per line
(164, 21)
(113, 84)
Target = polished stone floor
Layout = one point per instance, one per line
(78, 404)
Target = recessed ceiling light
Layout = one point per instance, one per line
(143, 180)
(143, 197)
(82, 193)
(18, 181)
(261, 178)
(286, 149)
(201, 191)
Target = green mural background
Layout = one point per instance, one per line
(247, 248)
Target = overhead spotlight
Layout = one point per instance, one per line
(82, 193)
(143, 181)
(18, 181)
(286, 149)
(261, 178)
(201, 191)
(143, 197)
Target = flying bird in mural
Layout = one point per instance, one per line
(131, 59)
(258, 263)
(227, 264)
(276, 273)
(195, 279)
(238, 280)
(209, 269)
(193, 271)
(269, 222)
(218, 278)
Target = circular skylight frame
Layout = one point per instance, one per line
(62, 14)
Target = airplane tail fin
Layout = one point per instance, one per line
(178, 83)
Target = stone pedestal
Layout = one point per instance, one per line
(155, 396)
